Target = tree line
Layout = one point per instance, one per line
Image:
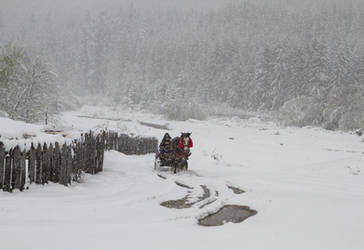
(303, 65)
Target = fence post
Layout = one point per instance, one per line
(25, 166)
(69, 164)
(45, 164)
(93, 152)
(63, 166)
(75, 161)
(7, 173)
(18, 169)
(56, 163)
(2, 164)
(31, 164)
(38, 165)
(51, 163)
(101, 151)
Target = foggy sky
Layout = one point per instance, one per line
(15, 12)
(17, 8)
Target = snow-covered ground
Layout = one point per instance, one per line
(306, 184)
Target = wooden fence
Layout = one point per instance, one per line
(65, 163)
(130, 145)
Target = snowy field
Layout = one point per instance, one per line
(307, 185)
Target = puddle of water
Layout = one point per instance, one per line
(228, 213)
(179, 204)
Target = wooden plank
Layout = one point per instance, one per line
(56, 163)
(110, 136)
(51, 163)
(2, 164)
(99, 152)
(31, 164)
(38, 165)
(102, 151)
(23, 166)
(79, 162)
(69, 164)
(45, 164)
(18, 169)
(63, 166)
(13, 173)
(116, 138)
(89, 154)
(7, 173)
(76, 161)
(93, 153)
(123, 143)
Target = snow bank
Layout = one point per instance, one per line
(17, 133)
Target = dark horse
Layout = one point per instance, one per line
(181, 151)
(175, 153)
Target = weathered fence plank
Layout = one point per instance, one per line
(51, 163)
(23, 165)
(38, 164)
(2, 164)
(56, 163)
(76, 161)
(63, 166)
(31, 164)
(18, 172)
(69, 165)
(7, 173)
(45, 164)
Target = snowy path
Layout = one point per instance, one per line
(306, 184)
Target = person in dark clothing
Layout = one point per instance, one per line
(165, 145)
(165, 149)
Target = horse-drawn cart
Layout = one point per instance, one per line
(174, 153)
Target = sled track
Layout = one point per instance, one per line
(201, 201)
(185, 201)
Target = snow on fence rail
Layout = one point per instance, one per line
(65, 163)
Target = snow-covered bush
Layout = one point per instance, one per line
(3, 114)
(331, 116)
(302, 111)
(350, 121)
(26, 89)
(344, 110)
(183, 111)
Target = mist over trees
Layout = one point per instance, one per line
(304, 65)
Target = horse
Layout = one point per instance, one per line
(180, 151)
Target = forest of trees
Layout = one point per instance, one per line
(303, 65)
